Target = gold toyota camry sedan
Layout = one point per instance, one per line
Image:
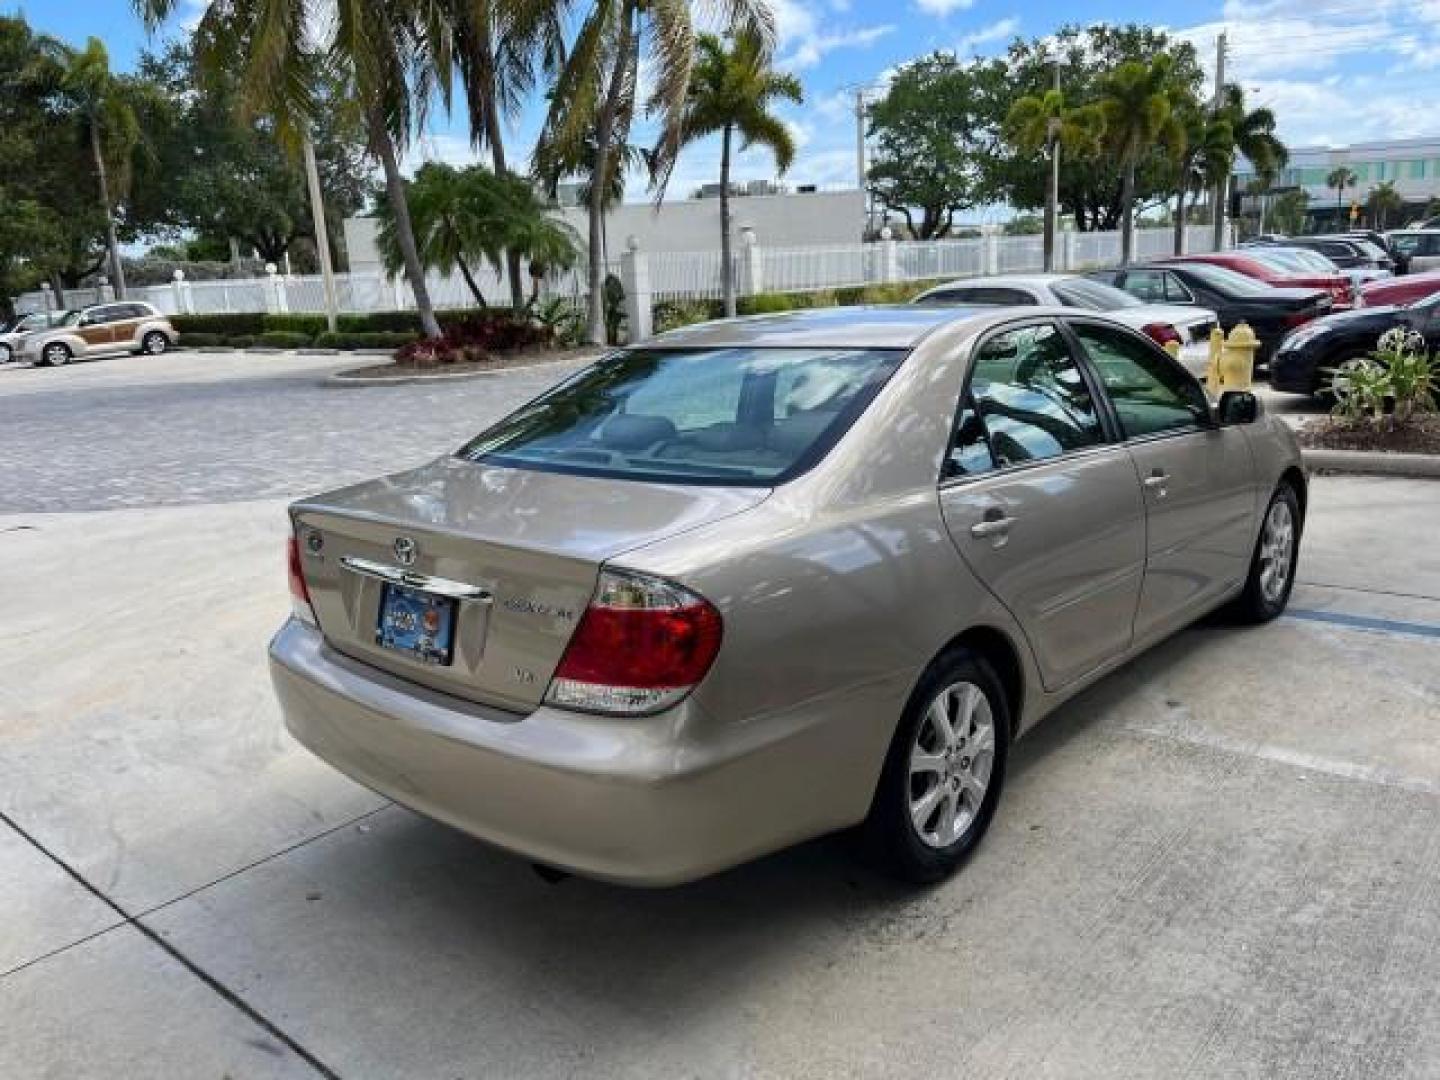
(763, 579)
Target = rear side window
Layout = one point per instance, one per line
(1150, 392)
(736, 416)
(1027, 402)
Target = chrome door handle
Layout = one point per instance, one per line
(1157, 482)
(999, 526)
(458, 590)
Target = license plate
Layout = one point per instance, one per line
(419, 624)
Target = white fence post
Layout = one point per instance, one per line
(178, 287)
(1067, 249)
(752, 269)
(990, 253)
(275, 300)
(889, 256)
(639, 301)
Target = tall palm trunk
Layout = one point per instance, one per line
(1180, 222)
(727, 271)
(404, 231)
(117, 271)
(1127, 213)
(495, 136)
(470, 282)
(1217, 219)
(1052, 203)
(600, 179)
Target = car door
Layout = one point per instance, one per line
(1044, 507)
(126, 323)
(95, 329)
(1198, 478)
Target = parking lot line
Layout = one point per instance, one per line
(1365, 622)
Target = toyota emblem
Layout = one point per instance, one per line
(405, 550)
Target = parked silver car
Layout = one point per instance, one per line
(762, 579)
(127, 326)
(12, 335)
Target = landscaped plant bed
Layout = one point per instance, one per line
(496, 362)
(1421, 435)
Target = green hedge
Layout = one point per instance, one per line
(309, 325)
(224, 324)
(283, 339)
(376, 340)
(189, 339)
(240, 341)
(669, 314)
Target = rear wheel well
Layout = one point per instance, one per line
(997, 648)
(1296, 479)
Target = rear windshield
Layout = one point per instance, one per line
(749, 417)
(1228, 281)
(1077, 292)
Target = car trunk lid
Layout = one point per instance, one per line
(527, 545)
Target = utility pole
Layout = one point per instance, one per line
(1218, 196)
(322, 232)
(1052, 201)
(860, 177)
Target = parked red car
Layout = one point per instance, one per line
(1253, 263)
(1400, 290)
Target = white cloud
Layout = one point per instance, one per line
(805, 39)
(999, 31)
(810, 50)
(942, 8)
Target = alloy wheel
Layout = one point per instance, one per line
(57, 355)
(950, 764)
(1277, 551)
(155, 344)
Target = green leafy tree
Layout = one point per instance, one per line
(732, 86)
(1340, 178)
(1203, 148)
(1288, 213)
(594, 98)
(1136, 102)
(1382, 201)
(1046, 122)
(392, 58)
(1252, 133)
(463, 217)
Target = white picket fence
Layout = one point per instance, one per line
(667, 275)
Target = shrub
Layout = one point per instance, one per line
(226, 323)
(1392, 384)
(561, 318)
(474, 340)
(239, 341)
(380, 340)
(192, 340)
(670, 314)
(309, 325)
(283, 339)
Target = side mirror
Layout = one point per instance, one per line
(1237, 407)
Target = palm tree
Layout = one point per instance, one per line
(1383, 198)
(1135, 105)
(594, 96)
(1045, 122)
(500, 47)
(394, 57)
(465, 216)
(1340, 178)
(730, 92)
(1253, 135)
(1205, 147)
(108, 123)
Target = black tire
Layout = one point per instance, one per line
(1320, 388)
(1259, 602)
(890, 834)
(154, 343)
(57, 354)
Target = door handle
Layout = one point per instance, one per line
(991, 526)
(1157, 482)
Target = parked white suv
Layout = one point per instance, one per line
(125, 326)
(14, 334)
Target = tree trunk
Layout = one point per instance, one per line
(1217, 217)
(727, 271)
(1052, 204)
(404, 231)
(57, 289)
(600, 180)
(495, 136)
(1180, 222)
(470, 281)
(117, 271)
(1127, 215)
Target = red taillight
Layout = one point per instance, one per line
(641, 646)
(1162, 333)
(299, 591)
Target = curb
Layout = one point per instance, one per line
(1374, 463)
(340, 378)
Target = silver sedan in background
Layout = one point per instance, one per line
(759, 580)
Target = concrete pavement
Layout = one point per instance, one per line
(1219, 862)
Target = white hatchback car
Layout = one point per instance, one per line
(125, 326)
(1187, 325)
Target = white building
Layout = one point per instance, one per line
(1412, 165)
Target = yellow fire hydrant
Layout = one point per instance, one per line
(1237, 358)
(1212, 365)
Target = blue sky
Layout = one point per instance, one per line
(1335, 71)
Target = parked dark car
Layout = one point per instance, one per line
(1300, 365)
(1271, 311)
(1282, 267)
(1346, 252)
(1381, 241)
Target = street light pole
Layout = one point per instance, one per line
(322, 233)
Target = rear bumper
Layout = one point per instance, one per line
(627, 800)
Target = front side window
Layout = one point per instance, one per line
(1079, 293)
(1150, 392)
(1029, 400)
(1147, 285)
(739, 416)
